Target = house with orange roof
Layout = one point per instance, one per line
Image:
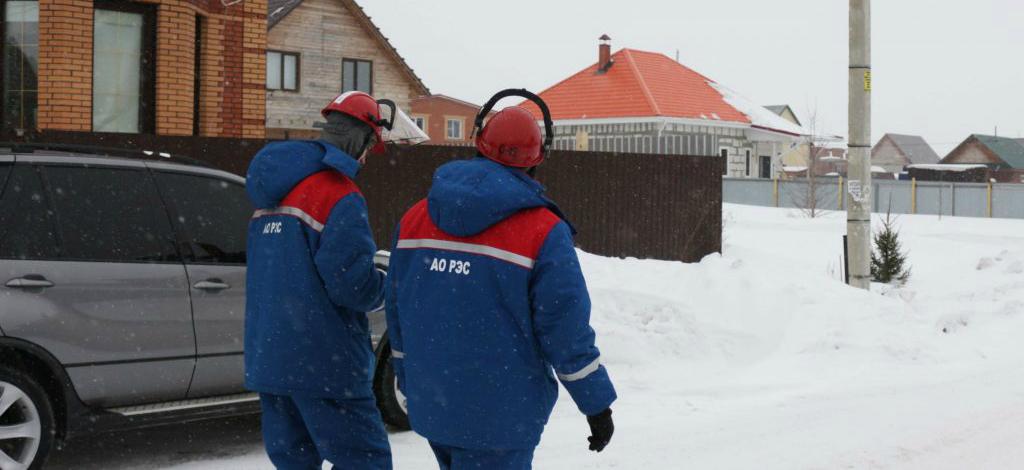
(644, 102)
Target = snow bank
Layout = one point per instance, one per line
(762, 358)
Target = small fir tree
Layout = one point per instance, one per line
(889, 265)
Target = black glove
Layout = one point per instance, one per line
(601, 428)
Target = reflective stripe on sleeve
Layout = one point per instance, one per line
(293, 212)
(582, 373)
(397, 354)
(485, 250)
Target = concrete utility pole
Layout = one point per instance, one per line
(858, 212)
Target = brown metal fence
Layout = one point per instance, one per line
(644, 206)
(625, 205)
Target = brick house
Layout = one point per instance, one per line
(163, 67)
(894, 152)
(319, 48)
(448, 121)
(645, 102)
(1003, 155)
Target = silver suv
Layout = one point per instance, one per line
(123, 299)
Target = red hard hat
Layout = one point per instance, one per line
(362, 107)
(512, 138)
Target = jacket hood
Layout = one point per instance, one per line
(469, 196)
(280, 166)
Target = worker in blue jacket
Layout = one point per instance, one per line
(311, 280)
(485, 296)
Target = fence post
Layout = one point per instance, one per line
(913, 195)
(989, 199)
(775, 191)
(840, 193)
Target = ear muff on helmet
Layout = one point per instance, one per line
(522, 93)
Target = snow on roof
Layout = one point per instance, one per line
(943, 167)
(878, 169)
(794, 169)
(759, 115)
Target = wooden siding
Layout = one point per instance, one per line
(324, 32)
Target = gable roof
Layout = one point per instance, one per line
(914, 147)
(277, 10)
(781, 109)
(1008, 150)
(647, 84)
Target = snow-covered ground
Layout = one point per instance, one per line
(762, 359)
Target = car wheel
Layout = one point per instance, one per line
(26, 422)
(391, 402)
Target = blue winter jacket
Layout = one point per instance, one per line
(311, 276)
(484, 297)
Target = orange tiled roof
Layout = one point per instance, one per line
(639, 84)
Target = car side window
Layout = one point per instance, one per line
(26, 221)
(109, 214)
(211, 214)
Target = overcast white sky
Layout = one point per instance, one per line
(942, 69)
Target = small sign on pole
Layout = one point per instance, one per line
(858, 192)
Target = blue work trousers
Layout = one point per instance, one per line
(454, 458)
(300, 433)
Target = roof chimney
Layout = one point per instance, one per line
(604, 54)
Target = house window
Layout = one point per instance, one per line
(766, 167)
(725, 162)
(282, 71)
(123, 68)
(421, 122)
(748, 162)
(454, 129)
(356, 75)
(20, 64)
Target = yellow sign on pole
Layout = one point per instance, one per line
(867, 80)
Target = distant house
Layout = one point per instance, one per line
(894, 152)
(829, 162)
(645, 102)
(785, 112)
(317, 49)
(447, 120)
(1003, 155)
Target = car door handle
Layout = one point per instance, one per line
(29, 281)
(212, 284)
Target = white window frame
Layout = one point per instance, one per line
(447, 128)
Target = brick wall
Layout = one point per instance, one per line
(65, 65)
(324, 32)
(232, 66)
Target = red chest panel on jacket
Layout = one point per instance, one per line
(517, 239)
(312, 200)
